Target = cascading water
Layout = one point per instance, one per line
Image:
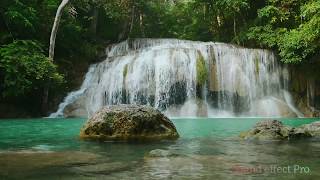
(184, 78)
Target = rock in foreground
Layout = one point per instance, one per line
(128, 122)
(275, 130)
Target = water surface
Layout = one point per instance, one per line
(207, 149)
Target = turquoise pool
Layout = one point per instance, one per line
(206, 149)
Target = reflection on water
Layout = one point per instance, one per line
(207, 149)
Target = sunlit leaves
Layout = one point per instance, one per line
(292, 27)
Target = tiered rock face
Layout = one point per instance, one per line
(305, 87)
(128, 122)
(170, 74)
(275, 130)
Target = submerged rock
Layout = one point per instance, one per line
(275, 130)
(161, 153)
(128, 122)
(25, 163)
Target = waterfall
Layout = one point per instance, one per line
(184, 78)
(76, 95)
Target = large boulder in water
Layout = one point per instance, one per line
(268, 130)
(312, 129)
(128, 122)
(275, 130)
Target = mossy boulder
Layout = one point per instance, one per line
(312, 129)
(128, 122)
(275, 130)
(268, 130)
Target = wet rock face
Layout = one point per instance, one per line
(128, 122)
(275, 130)
(305, 87)
(76, 109)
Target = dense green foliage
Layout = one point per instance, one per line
(25, 69)
(290, 27)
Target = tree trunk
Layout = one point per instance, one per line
(124, 32)
(141, 25)
(132, 18)
(234, 26)
(94, 21)
(44, 104)
(235, 29)
(204, 12)
(55, 28)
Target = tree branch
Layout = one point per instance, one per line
(55, 28)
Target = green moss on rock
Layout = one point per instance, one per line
(125, 71)
(202, 73)
(276, 130)
(256, 63)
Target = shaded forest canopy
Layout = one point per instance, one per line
(289, 27)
